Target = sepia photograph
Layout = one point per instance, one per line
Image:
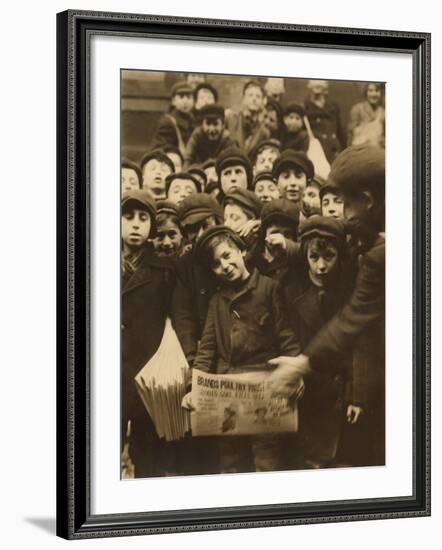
(252, 274)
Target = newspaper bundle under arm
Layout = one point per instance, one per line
(161, 386)
(238, 404)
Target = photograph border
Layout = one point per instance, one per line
(74, 32)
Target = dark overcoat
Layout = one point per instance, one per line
(327, 127)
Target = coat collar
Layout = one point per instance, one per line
(143, 273)
(230, 293)
(307, 305)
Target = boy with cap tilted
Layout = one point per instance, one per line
(176, 127)
(210, 137)
(131, 177)
(294, 135)
(359, 326)
(246, 326)
(155, 167)
(234, 170)
(293, 170)
(181, 185)
(146, 287)
(242, 210)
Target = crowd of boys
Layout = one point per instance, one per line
(261, 265)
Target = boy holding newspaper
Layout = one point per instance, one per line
(246, 326)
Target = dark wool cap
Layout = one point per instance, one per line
(157, 154)
(181, 88)
(289, 159)
(166, 207)
(214, 111)
(263, 176)
(182, 176)
(206, 86)
(208, 163)
(233, 156)
(142, 200)
(359, 168)
(319, 226)
(294, 108)
(196, 170)
(280, 209)
(216, 231)
(246, 199)
(126, 163)
(328, 187)
(198, 207)
(268, 143)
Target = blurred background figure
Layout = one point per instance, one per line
(274, 88)
(324, 118)
(367, 118)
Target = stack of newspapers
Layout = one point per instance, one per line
(161, 384)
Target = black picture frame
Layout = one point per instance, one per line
(74, 518)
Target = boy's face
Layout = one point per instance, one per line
(311, 203)
(194, 231)
(177, 162)
(265, 159)
(129, 180)
(210, 172)
(291, 184)
(213, 128)
(154, 175)
(228, 263)
(266, 190)
(233, 177)
(135, 227)
(332, 206)
(270, 119)
(179, 189)
(374, 94)
(293, 122)
(322, 262)
(234, 217)
(183, 102)
(253, 99)
(168, 239)
(204, 97)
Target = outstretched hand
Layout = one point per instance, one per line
(285, 380)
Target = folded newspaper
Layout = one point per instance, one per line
(161, 385)
(238, 404)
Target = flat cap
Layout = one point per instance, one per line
(181, 87)
(359, 168)
(280, 209)
(263, 176)
(182, 176)
(213, 110)
(246, 199)
(198, 207)
(233, 156)
(294, 108)
(216, 231)
(167, 207)
(321, 226)
(291, 158)
(143, 200)
(266, 144)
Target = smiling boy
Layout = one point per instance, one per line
(293, 170)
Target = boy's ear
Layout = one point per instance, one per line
(369, 199)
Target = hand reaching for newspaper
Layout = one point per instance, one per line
(353, 413)
(285, 380)
(186, 403)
